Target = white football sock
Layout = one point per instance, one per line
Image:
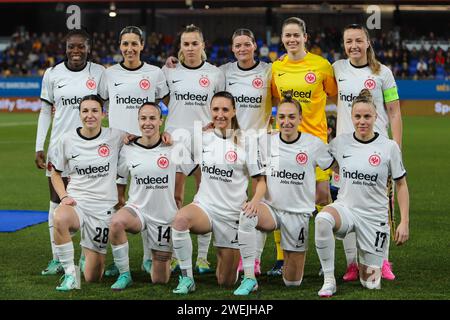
(182, 246)
(203, 241)
(260, 243)
(247, 243)
(325, 245)
(51, 211)
(349, 243)
(65, 255)
(121, 259)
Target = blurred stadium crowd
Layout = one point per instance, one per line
(29, 54)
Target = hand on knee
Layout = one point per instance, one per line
(246, 223)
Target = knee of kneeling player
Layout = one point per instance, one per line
(323, 222)
(294, 283)
(371, 284)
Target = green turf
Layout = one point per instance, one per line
(421, 266)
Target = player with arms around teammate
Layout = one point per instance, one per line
(362, 70)
(63, 86)
(289, 200)
(89, 154)
(226, 167)
(366, 159)
(192, 83)
(127, 85)
(311, 79)
(151, 205)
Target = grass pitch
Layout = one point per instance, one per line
(420, 266)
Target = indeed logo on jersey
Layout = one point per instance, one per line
(136, 102)
(74, 101)
(243, 99)
(298, 94)
(153, 182)
(361, 178)
(221, 173)
(94, 172)
(294, 177)
(191, 97)
(347, 97)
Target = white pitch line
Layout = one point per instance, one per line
(15, 124)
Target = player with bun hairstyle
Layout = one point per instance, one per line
(126, 86)
(290, 198)
(90, 154)
(226, 167)
(365, 158)
(362, 70)
(311, 79)
(63, 86)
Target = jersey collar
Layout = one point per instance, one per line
(248, 69)
(86, 138)
(291, 142)
(149, 147)
(131, 69)
(358, 67)
(73, 70)
(193, 68)
(368, 141)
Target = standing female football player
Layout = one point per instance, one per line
(192, 83)
(63, 86)
(289, 201)
(362, 70)
(226, 167)
(366, 159)
(151, 206)
(311, 79)
(127, 85)
(90, 154)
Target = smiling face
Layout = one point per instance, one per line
(243, 48)
(77, 49)
(192, 46)
(288, 119)
(293, 38)
(356, 44)
(131, 47)
(222, 112)
(149, 121)
(91, 114)
(363, 118)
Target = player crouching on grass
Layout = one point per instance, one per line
(89, 154)
(365, 160)
(290, 197)
(151, 205)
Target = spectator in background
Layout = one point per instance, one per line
(422, 69)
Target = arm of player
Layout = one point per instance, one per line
(60, 189)
(45, 118)
(250, 208)
(402, 232)
(395, 119)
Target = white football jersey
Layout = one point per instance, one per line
(92, 166)
(252, 93)
(351, 80)
(63, 89)
(226, 168)
(152, 182)
(191, 91)
(364, 168)
(127, 89)
(291, 172)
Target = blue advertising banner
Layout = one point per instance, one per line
(20, 87)
(423, 89)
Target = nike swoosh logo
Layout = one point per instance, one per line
(234, 241)
(73, 157)
(206, 151)
(135, 165)
(340, 80)
(280, 74)
(175, 81)
(102, 247)
(297, 246)
(231, 83)
(344, 156)
(378, 250)
(117, 84)
(275, 155)
(63, 85)
(163, 245)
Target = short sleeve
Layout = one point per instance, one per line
(396, 164)
(162, 89)
(183, 159)
(103, 86)
(59, 160)
(329, 81)
(47, 88)
(324, 158)
(220, 85)
(122, 167)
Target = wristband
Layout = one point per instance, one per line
(64, 197)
